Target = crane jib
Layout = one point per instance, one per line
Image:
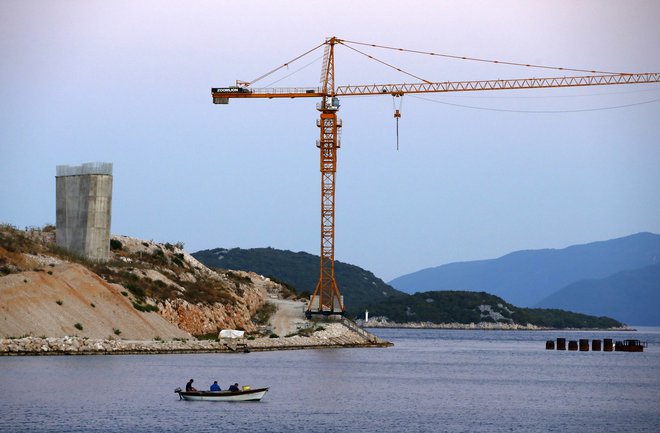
(221, 94)
(326, 299)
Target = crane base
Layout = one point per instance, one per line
(309, 314)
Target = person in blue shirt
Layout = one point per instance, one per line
(234, 388)
(215, 387)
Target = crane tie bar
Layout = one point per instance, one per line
(475, 59)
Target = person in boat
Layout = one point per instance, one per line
(189, 386)
(215, 387)
(234, 388)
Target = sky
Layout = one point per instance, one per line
(476, 175)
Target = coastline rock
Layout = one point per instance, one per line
(334, 335)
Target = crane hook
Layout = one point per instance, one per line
(397, 114)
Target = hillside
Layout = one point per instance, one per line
(629, 296)
(145, 290)
(301, 270)
(51, 303)
(363, 291)
(527, 277)
(479, 307)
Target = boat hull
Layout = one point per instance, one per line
(248, 395)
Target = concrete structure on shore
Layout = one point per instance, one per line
(83, 209)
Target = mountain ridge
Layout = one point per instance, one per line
(363, 291)
(526, 277)
(631, 296)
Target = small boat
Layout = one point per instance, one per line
(248, 394)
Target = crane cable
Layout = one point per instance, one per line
(294, 72)
(285, 65)
(475, 59)
(385, 63)
(535, 111)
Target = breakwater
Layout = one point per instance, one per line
(607, 345)
(335, 335)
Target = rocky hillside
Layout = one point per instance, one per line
(146, 290)
(300, 270)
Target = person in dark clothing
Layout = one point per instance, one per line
(215, 386)
(234, 388)
(189, 386)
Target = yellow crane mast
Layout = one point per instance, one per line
(326, 299)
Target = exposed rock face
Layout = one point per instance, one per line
(45, 294)
(49, 304)
(200, 319)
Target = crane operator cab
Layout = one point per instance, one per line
(330, 104)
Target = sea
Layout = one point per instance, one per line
(429, 381)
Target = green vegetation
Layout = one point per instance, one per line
(212, 336)
(553, 318)
(463, 307)
(116, 331)
(264, 314)
(59, 302)
(125, 268)
(300, 272)
(295, 271)
(78, 326)
(289, 291)
(178, 260)
(140, 306)
(175, 246)
(362, 290)
(14, 240)
(92, 305)
(306, 332)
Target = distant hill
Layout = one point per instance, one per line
(362, 290)
(301, 270)
(632, 296)
(476, 307)
(527, 277)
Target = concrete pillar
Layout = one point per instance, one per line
(83, 209)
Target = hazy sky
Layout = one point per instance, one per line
(128, 82)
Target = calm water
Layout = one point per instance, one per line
(430, 381)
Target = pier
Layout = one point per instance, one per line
(606, 344)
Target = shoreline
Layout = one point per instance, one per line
(335, 336)
(483, 326)
(190, 351)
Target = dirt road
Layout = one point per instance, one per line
(289, 316)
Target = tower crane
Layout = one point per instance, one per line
(326, 298)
